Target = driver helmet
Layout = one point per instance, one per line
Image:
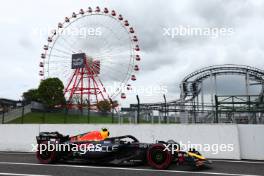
(104, 133)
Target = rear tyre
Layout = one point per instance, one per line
(158, 158)
(46, 156)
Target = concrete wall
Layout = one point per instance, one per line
(251, 141)
(247, 140)
(17, 137)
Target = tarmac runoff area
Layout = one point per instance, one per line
(20, 164)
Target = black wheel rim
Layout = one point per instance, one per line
(158, 156)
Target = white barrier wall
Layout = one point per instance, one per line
(17, 137)
(247, 140)
(251, 141)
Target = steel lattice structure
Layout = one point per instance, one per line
(191, 101)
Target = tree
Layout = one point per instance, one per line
(51, 92)
(31, 95)
(104, 106)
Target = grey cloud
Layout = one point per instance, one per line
(25, 43)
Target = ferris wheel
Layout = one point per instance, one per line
(95, 53)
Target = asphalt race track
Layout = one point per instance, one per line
(25, 164)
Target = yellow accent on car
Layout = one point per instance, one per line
(104, 133)
(196, 156)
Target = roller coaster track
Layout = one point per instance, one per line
(191, 84)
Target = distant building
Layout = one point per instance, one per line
(8, 104)
(36, 106)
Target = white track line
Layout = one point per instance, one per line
(16, 153)
(126, 169)
(3, 173)
(239, 161)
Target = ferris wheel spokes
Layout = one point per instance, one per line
(109, 58)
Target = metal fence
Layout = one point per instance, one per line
(14, 114)
(26, 115)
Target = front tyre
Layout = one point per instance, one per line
(158, 158)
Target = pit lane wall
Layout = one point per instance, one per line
(219, 141)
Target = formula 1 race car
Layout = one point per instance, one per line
(121, 150)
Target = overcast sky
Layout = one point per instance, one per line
(165, 60)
